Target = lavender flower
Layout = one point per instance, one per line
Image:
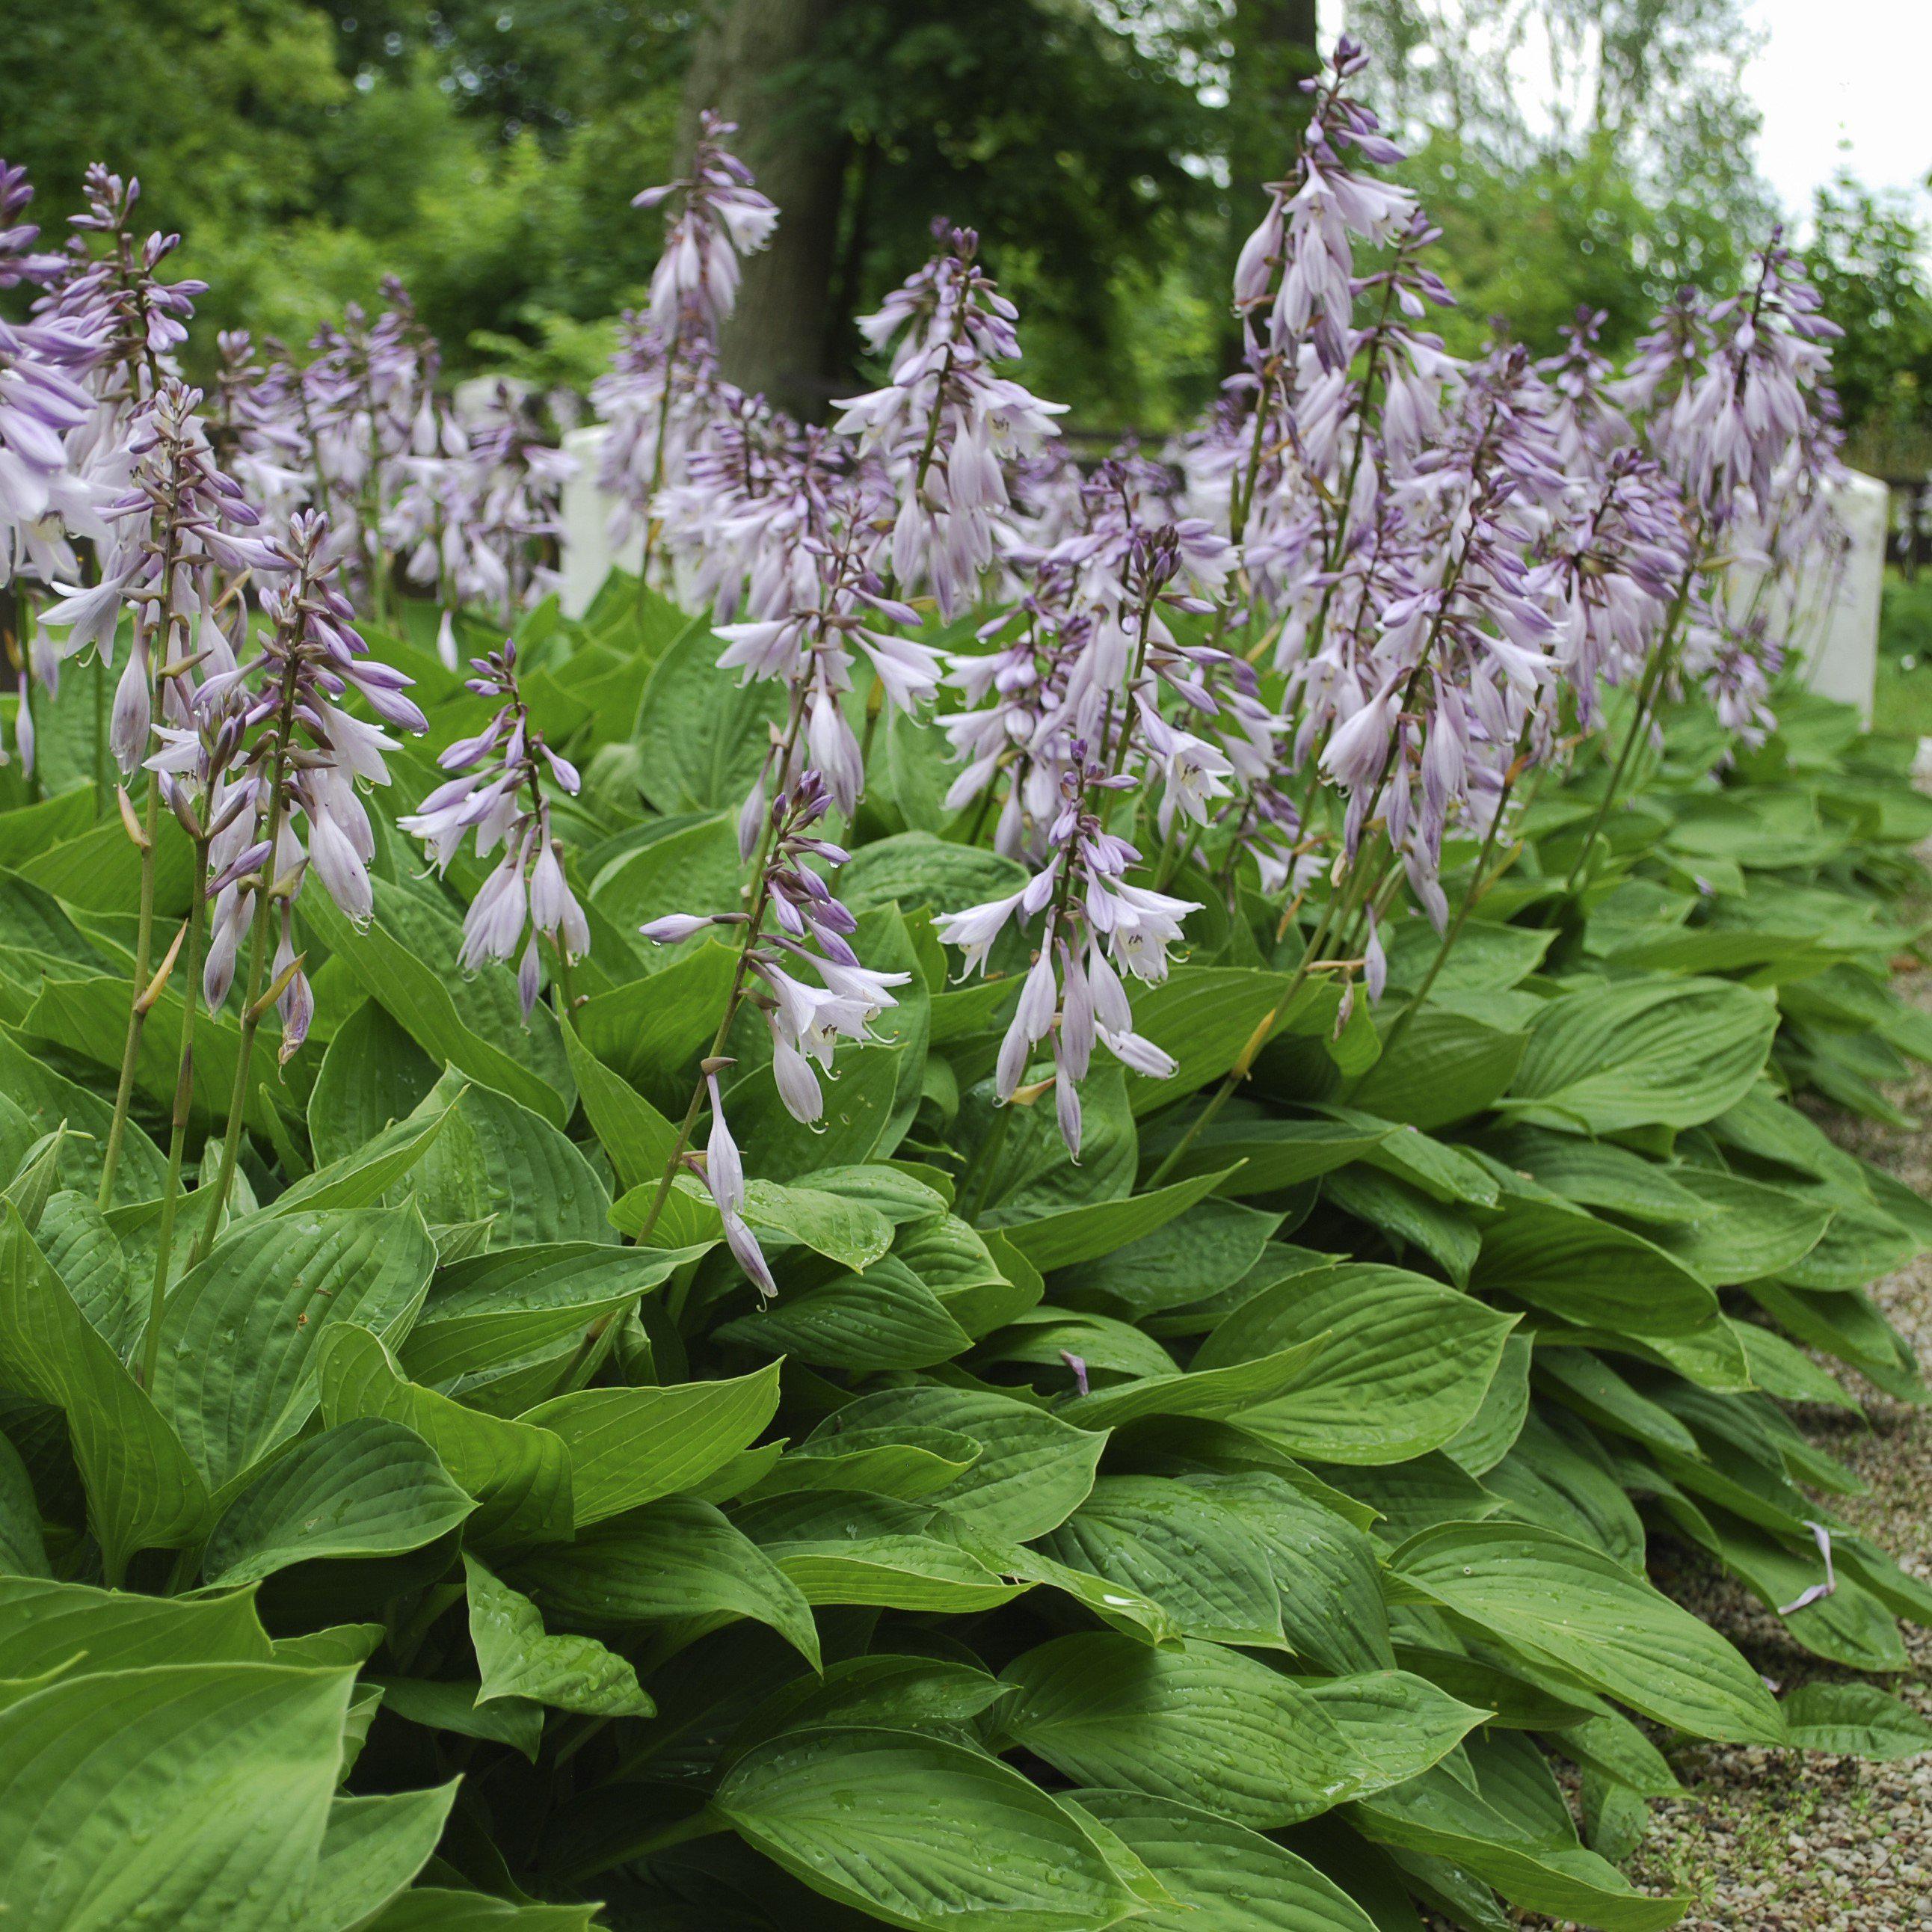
(499, 794)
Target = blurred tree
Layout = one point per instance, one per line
(1867, 256)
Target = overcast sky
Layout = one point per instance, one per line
(1858, 72)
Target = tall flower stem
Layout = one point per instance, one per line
(1647, 689)
(144, 928)
(178, 1129)
(258, 962)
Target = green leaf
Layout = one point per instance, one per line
(440, 1704)
(1580, 1611)
(431, 1909)
(921, 1833)
(408, 974)
(371, 1850)
(651, 1031)
(1398, 1723)
(885, 1318)
(1034, 1470)
(372, 1075)
(519, 1476)
(1406, 1367)
(703, 734)
(22, 1553)
(1442, 1817)
(1327, 1577)
(696, 864)
(1222, 1875)
(1025, 1170)
(841, 1547)
(1854, 1721)
(1639, 1053)
(641, 1142)
(195, 1797)
(675, 1559)
(503, 1307)
(498, 1158)
(1233, 1389)
(1451, 1065)
(1086, 1234)
(905, 1464)
(1199, 1724)
(630, 1446)
(1596, 1174)
(45, 1625)
(1208, 1249)
(235, 1372)
(1198, 1561)
(1205, 1016)
(142, 1491)
(48, 1101)
(1565, 1260)
(366, 1488)
(1257, 1153)
(519, 1658)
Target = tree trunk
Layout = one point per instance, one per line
(746, 63)
(1274, 51)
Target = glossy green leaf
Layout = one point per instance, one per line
(519, 1658)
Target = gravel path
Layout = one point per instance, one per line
(1784, 1841)
(1779, 1841)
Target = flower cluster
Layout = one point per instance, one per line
(499, 793)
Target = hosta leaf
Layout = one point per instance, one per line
(1231, 1390)
(1025, 1170)
(905, 1464)
(1087, 1233)
(519, 1658)
(1583, 1612)
(520, 1476)
(234, 1372)
(497, 1157)
(1438, 1815)
(22, 1553)
(196, 1796)
(510, 1303)
(441, 1704)
(1449, 1065)
(641, 1142)
(1408, 1217)
(1744, 1230)
(1222, 1875)
(1596, 1174)
(143, 1490)
(1563, 1482)
(675, 1559)
(921, 1833)
(1198, 1561)
(372, 1076)
(371, 1850)
(907, 1694)
(651, 1031)
(1259, 1154)
(1637, 1053)
(1199, 1724)
(1490, 1433)
(703, 733)
(885, 1318)
(407, 972)
(48, 1101)
(849, 1231)
(366, 1488)
(1398, 1723)
(1205, 1016)
(1566, 1260)
(375, 1169)
(1856, 1720)
(1209, 1248)
(629, 1446)
(46, 1625)
(432, 1909)
(1327, 1578)
(1033, 1470)
(841, 1547)
(1405, 1367)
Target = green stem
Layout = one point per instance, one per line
(150, 1341)
(258, 960)
(144, 945)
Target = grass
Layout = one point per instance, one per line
(1902, 704)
